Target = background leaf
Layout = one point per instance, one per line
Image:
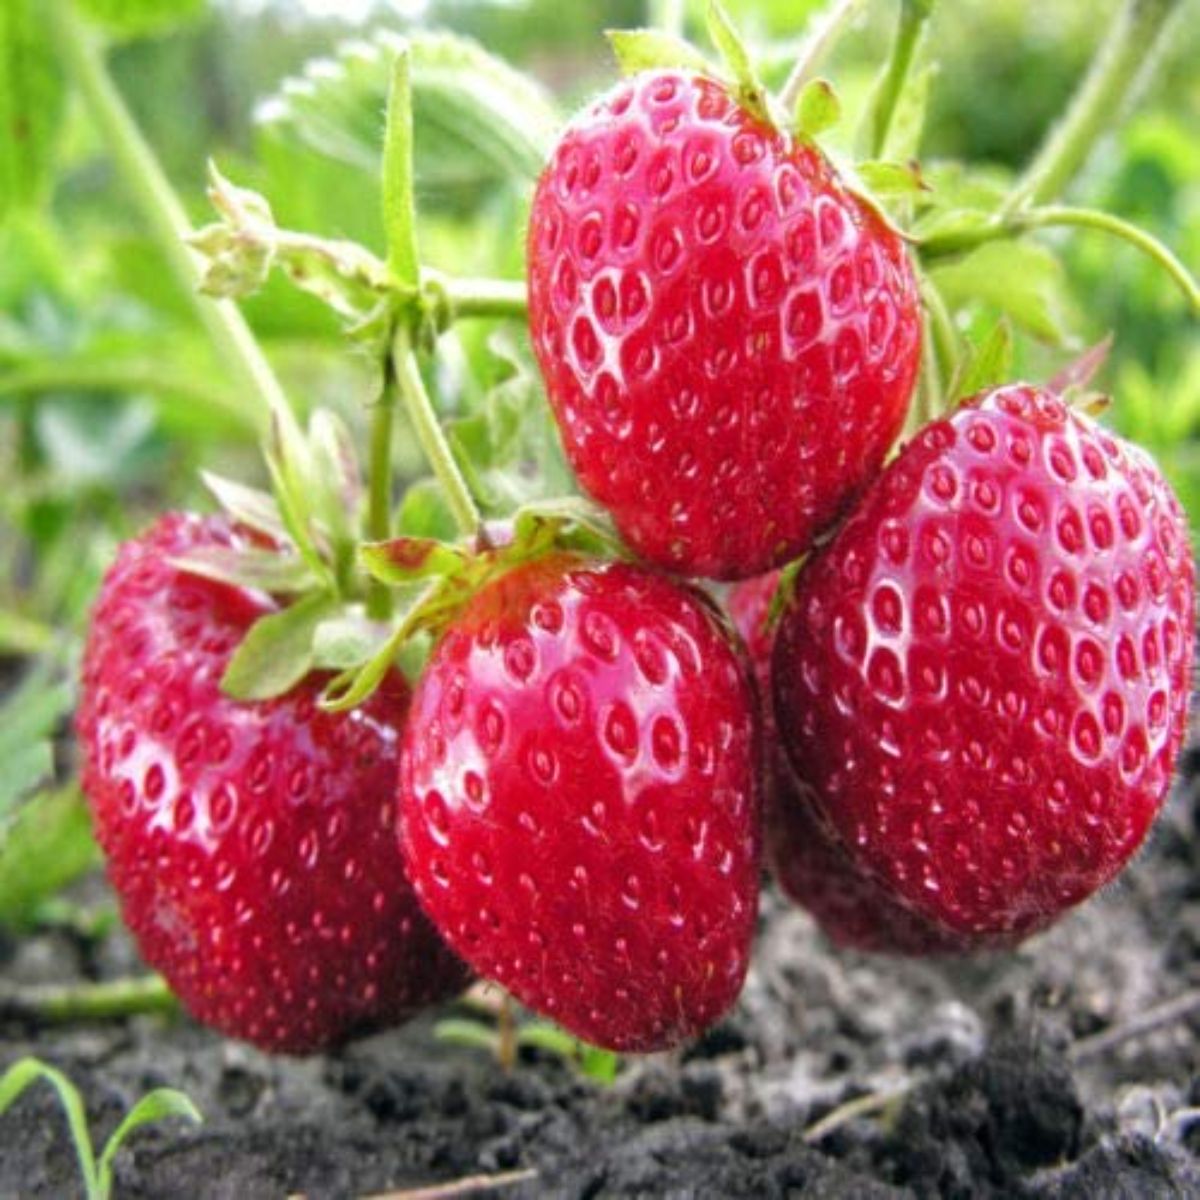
(31, 106)
(138, 18)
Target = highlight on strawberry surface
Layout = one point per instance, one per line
(765, 545)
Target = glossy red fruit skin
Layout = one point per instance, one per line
(578, 807)
(984, 676)
(805, 857)
(252, 846)
(729, 338)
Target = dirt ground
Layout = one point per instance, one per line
(1015, 1075)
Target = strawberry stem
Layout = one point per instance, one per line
(431, 435)
(460, 299)
(1121, 62)
(162, 210)
(379, 494)
(913, 17)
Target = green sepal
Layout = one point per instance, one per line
(990, 364)
(275, 571)
(1078, 374)
(277, 652)
(336, 475)
(653, 50)
(725, 37)
(817, 109)
(784, 590)
(347, 640)
(411, 559)
(399, 204)
(247, 506)
(887, 179)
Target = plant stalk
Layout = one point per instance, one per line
(89, 1001)
(828, 28)
(379, 495)
(431, 435)
(160, 206)
(495, 298)
(913, 17)
(1110, 82)
(1061, 216)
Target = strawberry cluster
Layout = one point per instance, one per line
(959, 714)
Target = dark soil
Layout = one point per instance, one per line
(984, 1082)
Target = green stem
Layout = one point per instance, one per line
(817, 45)
(913, 16)
(379, 496)
(1050, 216)
(432, 437)
(495, 298)
(89, 1001)
(159, 205)
(1118, 65)
(668, 15)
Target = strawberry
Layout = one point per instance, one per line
(812, 868)
(251, 845)
(983, 678)
(578, 808)
(728, 336)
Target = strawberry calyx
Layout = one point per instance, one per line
(435, 580)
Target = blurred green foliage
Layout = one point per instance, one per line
(110, 395)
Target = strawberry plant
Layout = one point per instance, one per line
(456, 686)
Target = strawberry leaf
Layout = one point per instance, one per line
(273, 571)
(425, 513)
(346, 641)
(277, 652)
(140, 18)
(477, 121)
(407, 560)
(817, 109)
(651, 49)
(1023, 280)
(31, 105)
(48, 845)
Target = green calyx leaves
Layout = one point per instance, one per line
(653, 50)
(438, 578)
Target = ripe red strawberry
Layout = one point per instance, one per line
(577, 799)
(984, 677)
(729, 338)
(252, 845)
(812, 868)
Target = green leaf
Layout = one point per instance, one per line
(155, 1106)
(28, 1071)
(28, 721)
(139, 18)
(817, 108)
(599, 1064)
(274, 571)
(399, 206)
(991, 364)
(277, 652)
(1021, 279)
(652, 49)
(337, 477)
(31, 105)
(477, 121)
(407, 560)
(47, 846)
